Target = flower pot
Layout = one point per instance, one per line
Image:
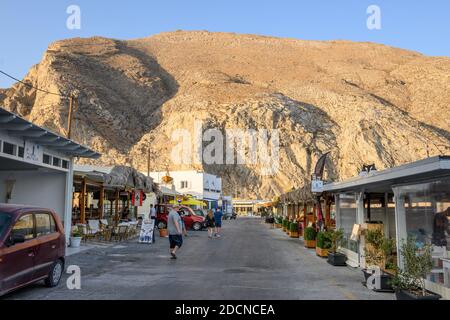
(163, 233)
(75, 242)
(385, 281)
(408, 295)
(278, 225)
(310, 244)
(322, 252)
(337, 259)
(294, 234)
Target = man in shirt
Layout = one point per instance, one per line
(174, 227)
(218, 221)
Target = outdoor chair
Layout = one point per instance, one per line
(120, 233)
(94, 229)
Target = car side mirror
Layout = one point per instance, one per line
(17, 238)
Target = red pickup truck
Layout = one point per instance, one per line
(191, 220)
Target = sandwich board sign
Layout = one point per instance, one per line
(146, 234)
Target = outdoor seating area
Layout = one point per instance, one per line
(104, 231)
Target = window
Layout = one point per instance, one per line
(44, 224)
(46, 159)
(24, 227)
(56, 162)
(184, 184)
(65, 164)
(9, 148)
(5, 220)
(21, 152)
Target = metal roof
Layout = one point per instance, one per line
(19, 127)
(380, 180)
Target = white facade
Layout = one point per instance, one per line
(199, 184)
(36, 166)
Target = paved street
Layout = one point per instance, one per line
(250, 261)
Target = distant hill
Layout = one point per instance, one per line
(364, 102)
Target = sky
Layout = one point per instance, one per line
(27, 28)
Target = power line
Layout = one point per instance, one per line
(33, 87)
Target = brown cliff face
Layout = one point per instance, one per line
(366, 103)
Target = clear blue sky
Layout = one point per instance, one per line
(28, 27)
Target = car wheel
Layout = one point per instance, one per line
(161, 225)
(54, 276)
(197, 226)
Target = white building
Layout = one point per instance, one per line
(36, 166)
(200, 185)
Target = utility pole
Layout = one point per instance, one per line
(148, 162)
(72, 101)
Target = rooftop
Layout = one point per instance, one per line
(381, 180)
(19, 127)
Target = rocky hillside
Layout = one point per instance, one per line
(364, 102)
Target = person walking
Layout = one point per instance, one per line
(210, 223)
(174, 227)
(152, 216)
(218, 221)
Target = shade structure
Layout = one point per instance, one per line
(190, 202)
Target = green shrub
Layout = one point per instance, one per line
(310, 233)
(336, 237)
(293, 227)
(324, 240)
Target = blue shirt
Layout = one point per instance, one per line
(218, 215)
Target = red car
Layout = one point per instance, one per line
(32, 247)
(191, 220)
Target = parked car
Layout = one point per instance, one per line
(190, 218)
(32, 247)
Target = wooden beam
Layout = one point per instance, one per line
(101, 201)
(83, 202)
(116, 211)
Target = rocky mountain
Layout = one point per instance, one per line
(363, 102)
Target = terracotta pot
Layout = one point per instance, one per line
(294, 234)
(163, 233)
(278, 225)
(322, 252)
(310, 244)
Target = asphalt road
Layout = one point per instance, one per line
(250, 261)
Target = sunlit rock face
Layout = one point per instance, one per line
(363, 102)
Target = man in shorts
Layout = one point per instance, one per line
(174, 227)
(218, 221)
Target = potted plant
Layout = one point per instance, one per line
(336, 258)
(409, 283)
(284, 224)
(323, 243)
(163, 233)
(75, 239)
(278, 222)
(310, 238)
(293, 228)
(378, 254)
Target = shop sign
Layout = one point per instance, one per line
(317, 186)
(146, 234)
(33, 152)
(137, 198)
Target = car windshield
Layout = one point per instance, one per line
(199, 212)
(5, 219)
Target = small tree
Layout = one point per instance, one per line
(336, 237)
(417, 265)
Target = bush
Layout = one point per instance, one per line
(417, 265)
(279, 220)
(293, 227)
(336, 237)
(310, 233)
(324, 240)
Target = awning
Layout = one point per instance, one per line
(190, 202)
(19, 127)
